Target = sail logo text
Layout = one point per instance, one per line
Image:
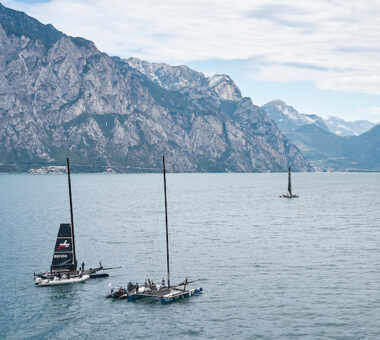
(60, 256)
(63, 245)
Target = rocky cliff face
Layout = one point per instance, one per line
(59, 93)
(174, 78)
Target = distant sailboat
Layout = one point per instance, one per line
(164, 291)
(64, 266)
(289, 194)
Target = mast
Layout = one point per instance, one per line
(166, 220)
(71, 210)
(289, 183)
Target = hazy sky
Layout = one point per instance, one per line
(322, 57)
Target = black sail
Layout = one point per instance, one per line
(63, 257)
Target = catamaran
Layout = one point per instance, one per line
(64, 267)
(289, 194)
(163, 291)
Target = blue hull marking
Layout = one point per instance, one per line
(188, 294)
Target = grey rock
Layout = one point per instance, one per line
(59, 93)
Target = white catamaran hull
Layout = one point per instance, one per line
(56, 282)
(175, 295)
(166, 296)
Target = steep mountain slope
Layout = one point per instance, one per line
(370, 142)
(326, 150)
(58, 93)
(219, 91)
(20, 24)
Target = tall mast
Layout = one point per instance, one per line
(166, 220)
(289, 183)
(71, 211)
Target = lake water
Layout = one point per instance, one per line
(271, 268)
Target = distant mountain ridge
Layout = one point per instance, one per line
(174, 78)
(59, 93)
(287, 118)
(324, 149)
(343, 128)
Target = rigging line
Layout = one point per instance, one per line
(86, 208)
(173, 194)
(80, 208)
(159, 223)
(155, 208)
(151, 200)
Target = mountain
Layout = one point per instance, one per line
(343, 128)
(59, 93)
(19, 24)
(175, 78)
(370, 142)
(324, 149)
(288, 118)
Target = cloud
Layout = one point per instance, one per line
(374, 111)
(332, 43)
(281, 14)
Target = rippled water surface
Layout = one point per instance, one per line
(271, 268)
